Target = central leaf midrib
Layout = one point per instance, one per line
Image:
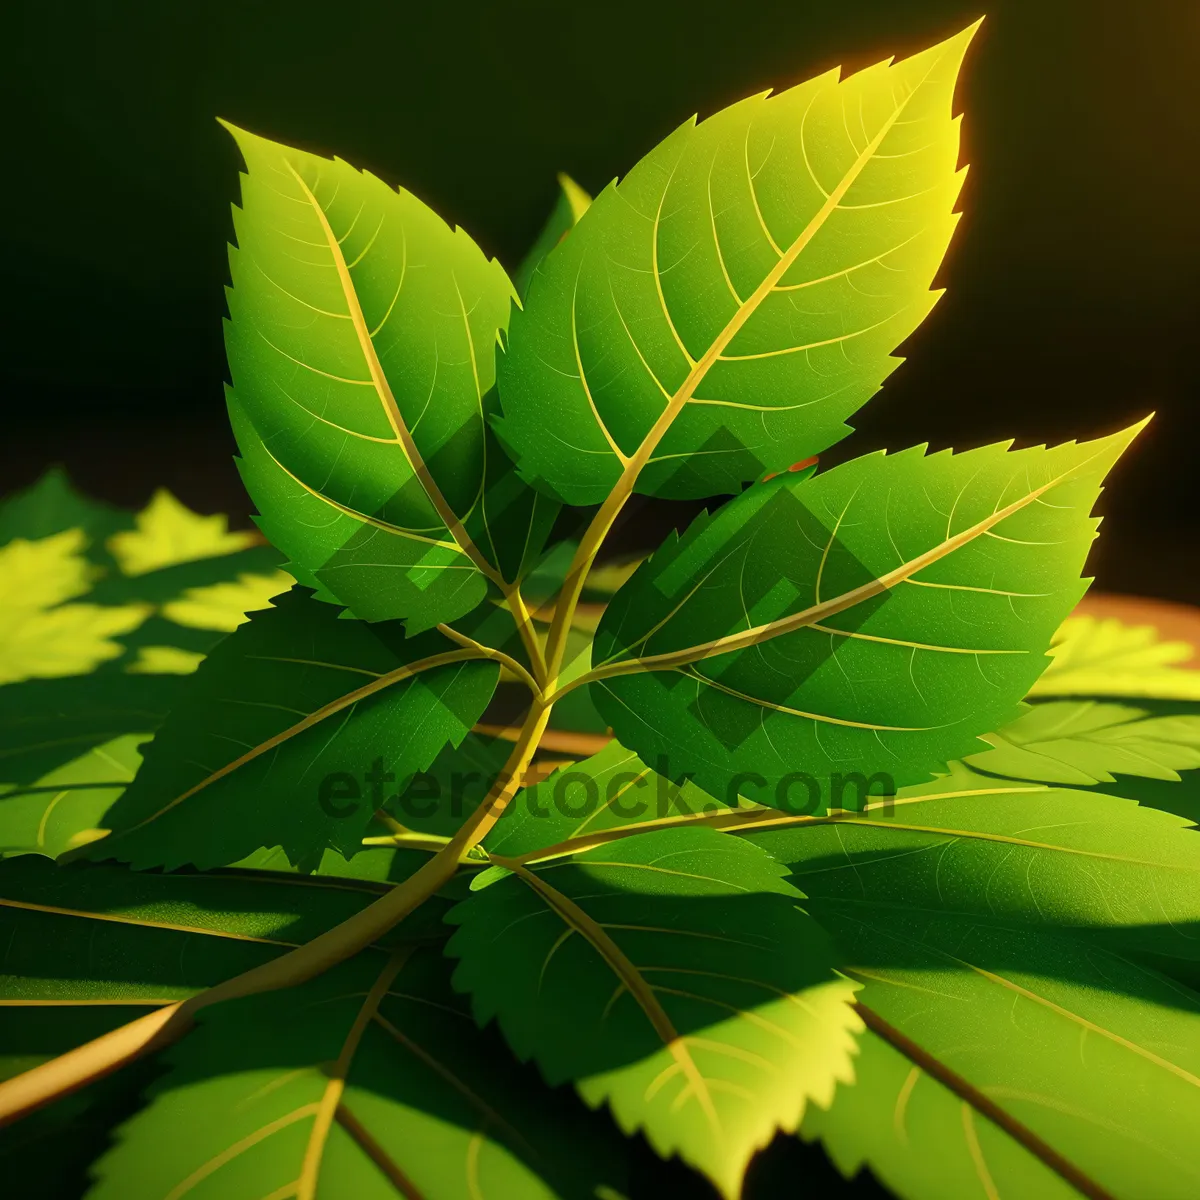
(815, 613)
(1073, 1017)
(700, 367)
(383, 389)
(398, 675)
(631, 978)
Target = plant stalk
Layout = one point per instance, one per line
(67, 1073)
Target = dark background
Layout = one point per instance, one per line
(1073, 278)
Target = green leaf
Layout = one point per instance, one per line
(610, 791)
(696, 999)
(1082, 742)
(66, 806)
(225, 606)
(1101, 656)
(89, 937)
(87, 948)
(91, 946)
(997, 927)
(870, 621)
(53, 908)
(183, 568)
(168, 533)
(1181, 796)
(725, 308)
(45, 723)
(1085, 1053)
(361, 342)
(571, 204)
(1045, 856)
(276, 732)
(52, 505)
(437, 800)
(41, 636)
(45, 572)
(48, 1153)
(164, 660)
(101, 936)
(368, 1082)
(921, 1139)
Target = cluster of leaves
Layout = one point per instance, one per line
(486, 867)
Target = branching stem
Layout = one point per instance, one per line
(505, 660)
(45, 1083)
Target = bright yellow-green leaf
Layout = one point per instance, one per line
(71, 640)
(1083, 741)
(64, 807)
(165, 660)
(42, 573)
(672, 976)
(39, 640)
(1101, 656)
(224, 606)
(724, 308)
(168, 532)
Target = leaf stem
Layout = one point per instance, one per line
(566, 740)
(603, 521)
(523, 619)
(67, 1073)
(730, 643)
(495, 655)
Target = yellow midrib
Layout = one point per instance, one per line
(406, 671)
(383, 389)
(143, 922)
(331, 1096)
(747, 309)
(624, 969)
(866, 591)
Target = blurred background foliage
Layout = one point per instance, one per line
(1072, 279)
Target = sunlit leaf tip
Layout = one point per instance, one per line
(726, 306)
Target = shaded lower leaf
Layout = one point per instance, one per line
(91, 931)
(609, 791)
(370, 1081)
(1095, 1056)
(921, 1139)
(278, 730)
(369, 873)
(66, 806)
(48, 1153)
(46, 723)
(1048, 857)
(87, 948)
(671, 976)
